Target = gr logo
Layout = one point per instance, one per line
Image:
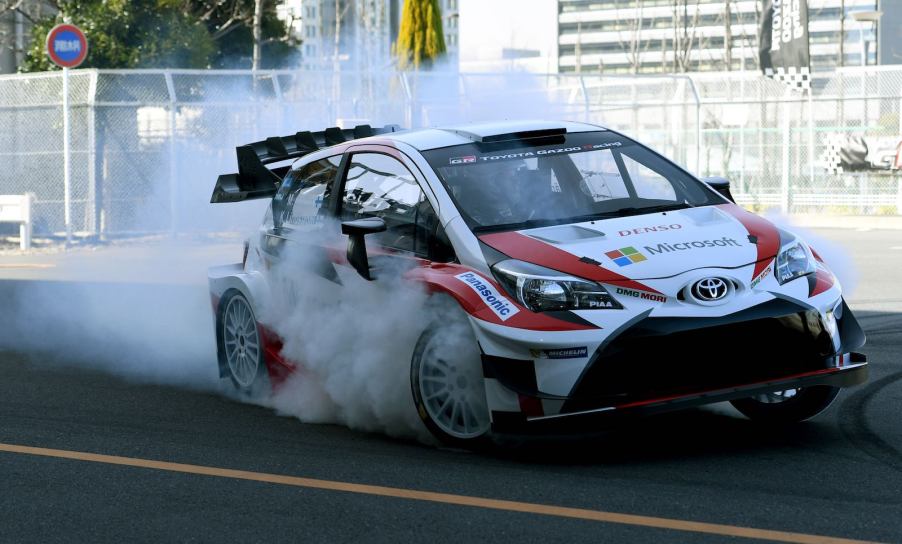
(463, 160)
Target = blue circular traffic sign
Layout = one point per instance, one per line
(67, 45)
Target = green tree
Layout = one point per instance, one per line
(421, 39)
(165, 34)
(230, 22)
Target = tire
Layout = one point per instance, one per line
(240, 346)
(790, 406)
(448, 386)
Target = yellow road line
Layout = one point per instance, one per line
(445, 498)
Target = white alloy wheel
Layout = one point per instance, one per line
(241, 341)
(452, 389)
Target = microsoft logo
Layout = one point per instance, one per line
(626, 255)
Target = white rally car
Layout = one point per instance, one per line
(600, 280)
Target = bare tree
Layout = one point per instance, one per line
(231, 15)
(634, 45)
(751, 42)
(684, 33)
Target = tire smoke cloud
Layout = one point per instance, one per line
(354, 341)
(136, 320)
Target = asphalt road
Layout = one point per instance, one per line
(180, 449)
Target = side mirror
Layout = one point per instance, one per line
(356, 231)
(721, 185)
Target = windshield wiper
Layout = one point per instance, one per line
(522, 225)
(638, 210)
(630, 210)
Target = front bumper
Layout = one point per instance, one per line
(662, 364)
(854, 373)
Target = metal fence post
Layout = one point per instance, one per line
(742, 129)
(277, 91)
(784, 178)
(698, 125)
(25, 228)
(408, 99)
(585, 91)
(173, 168)
(67, 174)
(811, 156)
(95, 198)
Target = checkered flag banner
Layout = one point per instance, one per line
(799, 79)
(831, 159)
(783, 49)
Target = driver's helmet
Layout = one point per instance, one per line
(492, 190)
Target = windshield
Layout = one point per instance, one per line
(577, 177)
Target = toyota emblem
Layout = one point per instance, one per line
(710, 289)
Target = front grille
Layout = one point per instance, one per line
(646, 361)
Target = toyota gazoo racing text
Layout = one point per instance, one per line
(600, 280)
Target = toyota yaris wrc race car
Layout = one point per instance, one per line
(599, 279)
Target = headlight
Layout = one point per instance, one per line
(542, 289)
(794, 261)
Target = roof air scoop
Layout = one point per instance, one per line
(512, 136)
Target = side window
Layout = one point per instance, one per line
(648, 183)
(379, 185)
(302, 200)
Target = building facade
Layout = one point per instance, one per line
(659, 36)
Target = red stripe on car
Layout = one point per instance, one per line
(440, 278)
(525, 248)
(768, 237)
(823, 281)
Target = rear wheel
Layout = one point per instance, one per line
(787, 406)
(448, 387)
(240, 345)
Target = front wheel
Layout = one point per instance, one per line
(448, 386)
(789, 406)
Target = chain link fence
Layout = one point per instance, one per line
(147, 145)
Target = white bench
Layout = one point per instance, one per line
(17, 209)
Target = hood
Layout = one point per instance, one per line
(656, 245)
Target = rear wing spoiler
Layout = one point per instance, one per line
(255, 180)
